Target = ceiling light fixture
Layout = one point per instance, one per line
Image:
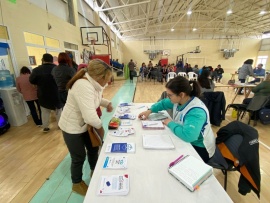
(262, 12)
(189, 12)
(172, 29)
(229, 11)
(194, 29)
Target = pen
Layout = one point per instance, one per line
(175, 161)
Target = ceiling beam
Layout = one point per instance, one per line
(123, 6)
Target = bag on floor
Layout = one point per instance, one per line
(264, 115)
(234, 113)
(95, 137)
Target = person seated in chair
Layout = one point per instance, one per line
(262, 89)
(206, 83)
(190, 121)
(219, 71)
(258, 71)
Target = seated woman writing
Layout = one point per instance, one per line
(191, 121)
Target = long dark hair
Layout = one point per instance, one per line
(249, 61)
(204, 80)
(180, 84)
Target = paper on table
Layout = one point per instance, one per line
(114, 185)
(157, 142)
(154, 125)
(115, 162)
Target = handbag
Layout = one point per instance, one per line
(95, 137)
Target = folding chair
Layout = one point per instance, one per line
(183, 74)
(238, 149)
(192, 76)
(171, 75)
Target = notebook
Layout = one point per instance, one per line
(114, 185)
(120, 148)
(115, 162)
(157, 142)
(191, 172)
(153, 125)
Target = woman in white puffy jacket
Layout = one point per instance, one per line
(84, 97)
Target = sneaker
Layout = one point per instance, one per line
(45, 130)
(80, 188)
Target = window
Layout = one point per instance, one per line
(3, 32)
(262, 60)
(52, 42)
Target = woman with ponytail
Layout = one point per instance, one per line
(84, 97)
(190, 121)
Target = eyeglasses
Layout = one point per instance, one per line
(170, 95)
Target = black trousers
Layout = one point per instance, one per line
(202, 152)
(242, 81)
(76, 144)
(36, 117)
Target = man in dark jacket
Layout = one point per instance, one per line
(47, 90)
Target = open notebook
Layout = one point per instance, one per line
(157, 142)
(191, 172)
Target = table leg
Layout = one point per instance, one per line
(238, 90)
(248, 91)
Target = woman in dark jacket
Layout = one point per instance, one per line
(62, 74)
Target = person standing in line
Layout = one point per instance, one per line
(47, 90)
(244, 71)
(29, 93)
(190, 121)
(62, 74)
(84, 97)
(131, 66)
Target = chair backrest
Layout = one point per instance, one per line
(192, 76)
(183, 74)
(258, 102)
(171, 75)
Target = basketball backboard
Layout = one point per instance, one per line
(92, 35)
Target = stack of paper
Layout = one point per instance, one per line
(120, 148)
(114, 185)
(191, 172)
(153, 125)
(157, 142)
(115, 162)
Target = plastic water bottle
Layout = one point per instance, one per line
(6, 80)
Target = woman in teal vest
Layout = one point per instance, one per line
(190, 121)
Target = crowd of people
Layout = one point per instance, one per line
(75, 94)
